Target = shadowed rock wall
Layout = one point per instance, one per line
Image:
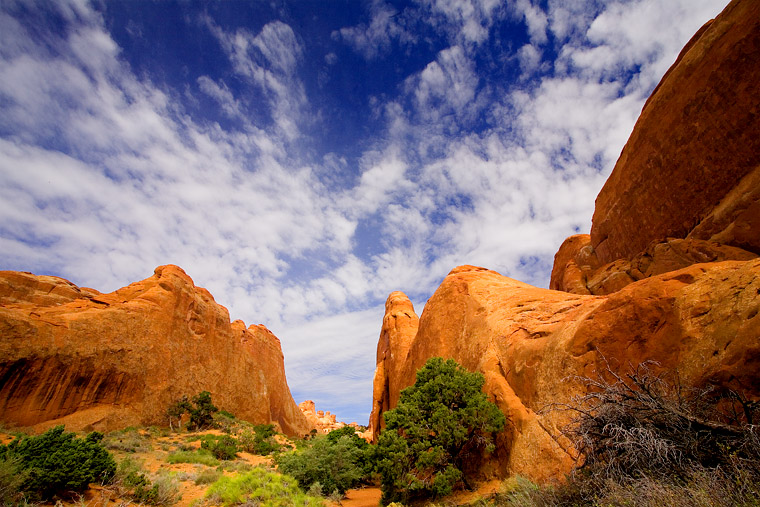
(89, 360)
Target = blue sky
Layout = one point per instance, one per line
(303, 159)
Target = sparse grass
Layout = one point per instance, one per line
(164, 490)
(260, 487)
(208, 476)
(202, 457)
(236, 466)
(127, 440)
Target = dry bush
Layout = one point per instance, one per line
(643, 423)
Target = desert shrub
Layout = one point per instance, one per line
(201, 457)
(208, 476)
(440, 421)
(235, 466)
(130, 474)
(645, 424)
(260, 487)
(221, 447)
(12, 477)
(201, 411)
(163, 490)
(127, 440)
(367, 456)
(58, 463)
(259, 440)
(336, 466)
(226, 422)
(646, 440)
(201, 415)
(176, 410)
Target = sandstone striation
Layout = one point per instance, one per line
(77, 357)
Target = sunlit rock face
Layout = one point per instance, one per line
(323, 421)
(399, 328)
(74, 356)
(690, 170)
(531, 343)
(669, 273)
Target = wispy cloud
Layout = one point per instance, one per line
(105, 174)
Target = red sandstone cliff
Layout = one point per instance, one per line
(702, 320)
(669, 273)
(689, 172)
(89, 360)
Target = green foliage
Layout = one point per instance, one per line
(440, 422)
(201, 411)
(201, 415)
(129, 474)
(260, 487)
(176, 410)
(12, 477)
(259, 440)
(367, 456)
(222, 447)
(201, 457)
(164, 490)
(208, 476)
(337, 465)
(58, 462)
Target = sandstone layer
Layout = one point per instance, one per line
(531, 343)
(77, 357)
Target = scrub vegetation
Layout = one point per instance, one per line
(644, 440)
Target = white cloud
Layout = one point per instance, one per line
(466, 21)
(446, 85)
(375, 39)
(269, 60)
(104, 175)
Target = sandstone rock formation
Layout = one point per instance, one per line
(529, 343)
(690, 170)
(400, 325)
(74, 356)
(323, 422)
(670, 271)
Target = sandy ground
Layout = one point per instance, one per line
(365, 497)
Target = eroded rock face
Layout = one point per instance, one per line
(399, 328)
(323, 421)
(686, 188)
(669, 273)
(530, 343)
(577, 268)
(691, 168)
(74, 356)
